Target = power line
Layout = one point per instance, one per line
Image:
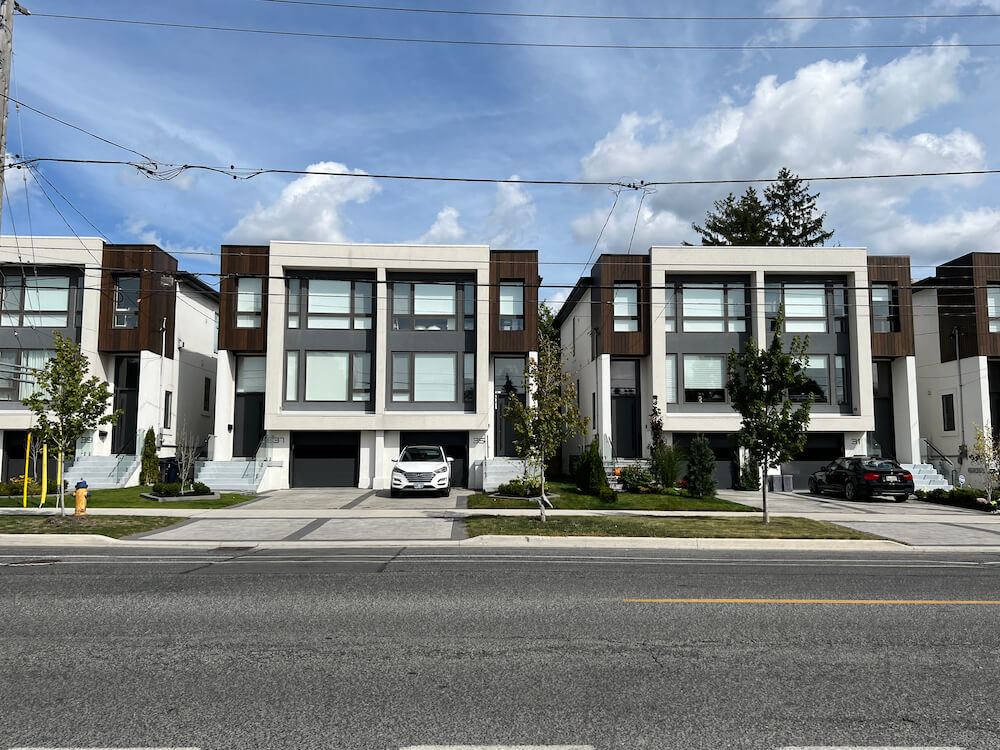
(535, 45)
(590, 17)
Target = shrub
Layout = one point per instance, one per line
(523, 487)
(701, 468)
(636, 478)
(665, 463)
(201, 488)
(607, 495)
(167, 489)
(150, 472)
(750, 475)
(590, 476)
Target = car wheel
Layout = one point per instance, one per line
(850, 491)
(813, 487)
(393, 493)
(446, 492)
(902, 498)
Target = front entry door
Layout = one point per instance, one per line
(625, 419)
(248, 424)
(126, 400)
(506, 436)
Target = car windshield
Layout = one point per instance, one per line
(420, 453)
(879, 463)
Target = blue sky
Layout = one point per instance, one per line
(209, 97)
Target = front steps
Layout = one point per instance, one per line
(101, 472)
(620, 463)
(236, 475)
(497, 471)
(926, 477)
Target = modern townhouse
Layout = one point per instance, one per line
(657, 328)
(334, 357)
(957, 322)
(146, 328)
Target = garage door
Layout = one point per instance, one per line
(455, 444)
(325, 459)
(726, 464)
(821, 448)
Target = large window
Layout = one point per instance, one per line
(704, 378)
(817, 382)
(333, 304)
(335, 376)
(249, 302)
(511, 305)
(17, 372)
(508, 375)
(251, 374)
(428, 377)
(885, 308)
(713, 308)
(626, 306)
(819, 307)
(126, 302)
(671, 378)
(41, 301)
(418, 306)
(993, 307)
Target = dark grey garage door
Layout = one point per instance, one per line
(455, 444)
(821, 448)
(325, 459)
(726, 465)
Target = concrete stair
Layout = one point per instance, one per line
(926, 477)
(236, 475)
(100, 471)
(497, 471)
(620, 463)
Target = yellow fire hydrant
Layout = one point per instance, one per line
(80, 495)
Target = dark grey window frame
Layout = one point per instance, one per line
(948, 412)
(675, 303)
(302, 369)
(465, 296)
(20, 311)
(700, 399)
(993, 320)
(460, 378)
(637, 318)
(516, 319)
(168, 407)
(206, 404)
(887, 321)
(298, 317)
(835, 318)
(257, 315)
(129, 315)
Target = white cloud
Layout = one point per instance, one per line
(789, 31)
(830, 118)
(445, 230)
(309, 208)
(512, 217)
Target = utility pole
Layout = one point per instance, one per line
(7, 8)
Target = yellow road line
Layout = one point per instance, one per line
(814, 601)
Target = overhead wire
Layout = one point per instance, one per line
(498, 43)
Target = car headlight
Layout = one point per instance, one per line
(441, 470)
(398, 471)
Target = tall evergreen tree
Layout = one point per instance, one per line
(792, 213)
(547, 323)
(743, 221)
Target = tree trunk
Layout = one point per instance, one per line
(62, 494)
(542, 500)
(763, 493)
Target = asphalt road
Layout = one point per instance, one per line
(423, 647)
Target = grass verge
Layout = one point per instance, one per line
(712, 528)
(570, 498)
(113, 526)
(128, 497)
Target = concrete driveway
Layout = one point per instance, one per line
(346, 498)
(913, 522)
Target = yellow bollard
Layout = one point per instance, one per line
(80, 495)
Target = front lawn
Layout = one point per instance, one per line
(715, 528)
(570, 498)
(113, 526)
(128, 497)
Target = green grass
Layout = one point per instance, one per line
(570, 498)
(715, 528)
(113, 526)
(127, 497)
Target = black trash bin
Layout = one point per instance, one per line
(170, 473)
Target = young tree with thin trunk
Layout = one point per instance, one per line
(188, 450)
(551, 416)
(66, 403)
(986, 451)
(760, 384)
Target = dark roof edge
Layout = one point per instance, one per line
(574, 296)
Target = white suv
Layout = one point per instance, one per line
(421, 468)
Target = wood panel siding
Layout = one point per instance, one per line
(237, 261)
(962, 305)
(519, 265)
(615, 268)
(893, 269)
(157, 299)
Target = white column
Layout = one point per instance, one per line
(904, 409)
(225, 405)
(861, 346)
(381, 361)
(653, 371)
(380, 460)
(603, 426)
(758, 320)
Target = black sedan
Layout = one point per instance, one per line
(863, 476)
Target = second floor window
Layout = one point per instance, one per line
(819, 307)
(626, 306)
(249, 302)
(993, 307)
(511, 305)
(714, 308)
(126, 302)
(335, 304)
(428, 306)
(35, 301)
(885, 308)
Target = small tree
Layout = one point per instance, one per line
(188, 449)
(986, 451)
(760, 383)
(590, 476)
(547, 324)
(664, 459)
(701, 468)
(749, 475)
(551, 416)
(150, 472)
(66, 403)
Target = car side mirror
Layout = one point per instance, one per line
(451, 460)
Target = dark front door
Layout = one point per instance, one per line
(885, 425)
(626, 422)
(126, 401)
(15, 444)
(325, 459)
(248, 423)
(505, 435)
(455, 444)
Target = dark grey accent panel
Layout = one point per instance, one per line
(727, 466)
(821, 448)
